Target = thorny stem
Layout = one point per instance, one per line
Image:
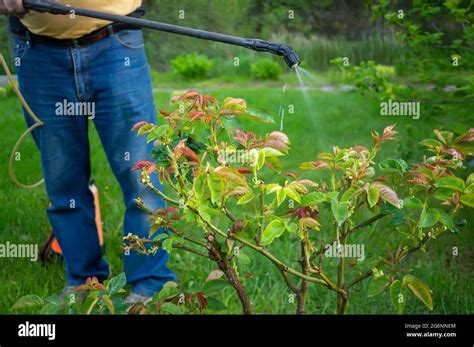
(342, 298)
(177, 171)
(220, 258)
(305, 266)
(262, 212)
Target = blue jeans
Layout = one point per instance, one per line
(112, 76)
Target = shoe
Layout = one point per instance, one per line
(134, 298)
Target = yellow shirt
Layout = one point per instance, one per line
(64, 27)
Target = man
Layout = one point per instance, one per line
(72, 60)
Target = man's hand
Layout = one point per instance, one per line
(13, 7)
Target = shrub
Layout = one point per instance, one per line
(108, 299)
(7, 91)
(192, 66)
(221, 208)
(265, 69)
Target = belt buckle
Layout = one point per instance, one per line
(75, 43)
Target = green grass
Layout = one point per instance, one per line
(337, 119)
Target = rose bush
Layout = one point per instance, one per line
(216, 178)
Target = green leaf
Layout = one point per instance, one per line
(340, 211)
(50, 308)
(468, 199)
(116, 283)
(167, 244)
(28, 301)
(470, 179)
(260, 160)
(412, 202)
(109, 304)
(388, 194)
(377, 286)
(443, 194)
(398, 296)
(419, 289)
(216, 186)
(215, 305)
(349, 194)
(170, 308)
(450, 182)
(431, 143)
(274, 163)
(257, 114)
(393, 166)
(292, 193)
(145, 129)
(199, 185)
(215, 285)
(90, 303)
(373, 194)
(271, 152)
(160, 237)
(280, 196)
(169, 289)
(161, 130)
(273, 230)
(313, 198)
(245, 198)
(446, 220)
(428, 218)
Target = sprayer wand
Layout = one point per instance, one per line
(288, 53)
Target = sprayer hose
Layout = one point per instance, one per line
(38, 123)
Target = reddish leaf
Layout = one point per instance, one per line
(145, 164)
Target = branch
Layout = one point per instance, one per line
(382, 262)
(350, 231)
(367, 223)
(287, 279)
(140, 204)
(165, 197)
(175, 245)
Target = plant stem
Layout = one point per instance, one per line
(305, 266)
(325, 281)
(342, 298)
(353, 230)
(165, 197)
(189, 238)
(222, 262)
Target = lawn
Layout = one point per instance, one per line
(336, 118)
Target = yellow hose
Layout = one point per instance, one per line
(38, 123)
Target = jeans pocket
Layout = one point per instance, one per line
(132, 39)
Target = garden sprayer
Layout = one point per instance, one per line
(288, 53)
(52, 7)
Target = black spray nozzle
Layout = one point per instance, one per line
(288, 53)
